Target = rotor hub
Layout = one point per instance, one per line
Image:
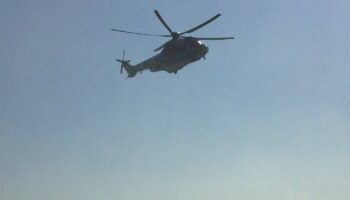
(175, 34)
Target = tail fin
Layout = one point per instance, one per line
(125, 64)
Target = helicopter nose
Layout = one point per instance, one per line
(204, 48)
(202, 51)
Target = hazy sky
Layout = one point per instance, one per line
(265, 117)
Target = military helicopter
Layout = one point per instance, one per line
(176, 53)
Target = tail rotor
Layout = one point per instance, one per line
(125, 65)
(121, 67)
(123, 62)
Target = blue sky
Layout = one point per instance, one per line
(266, 116)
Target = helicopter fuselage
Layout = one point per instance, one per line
(176, 54)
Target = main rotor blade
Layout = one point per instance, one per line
(201, 25)
(136, 33)
(163, 22)
(215, 38)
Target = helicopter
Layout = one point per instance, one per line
(175, 54)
